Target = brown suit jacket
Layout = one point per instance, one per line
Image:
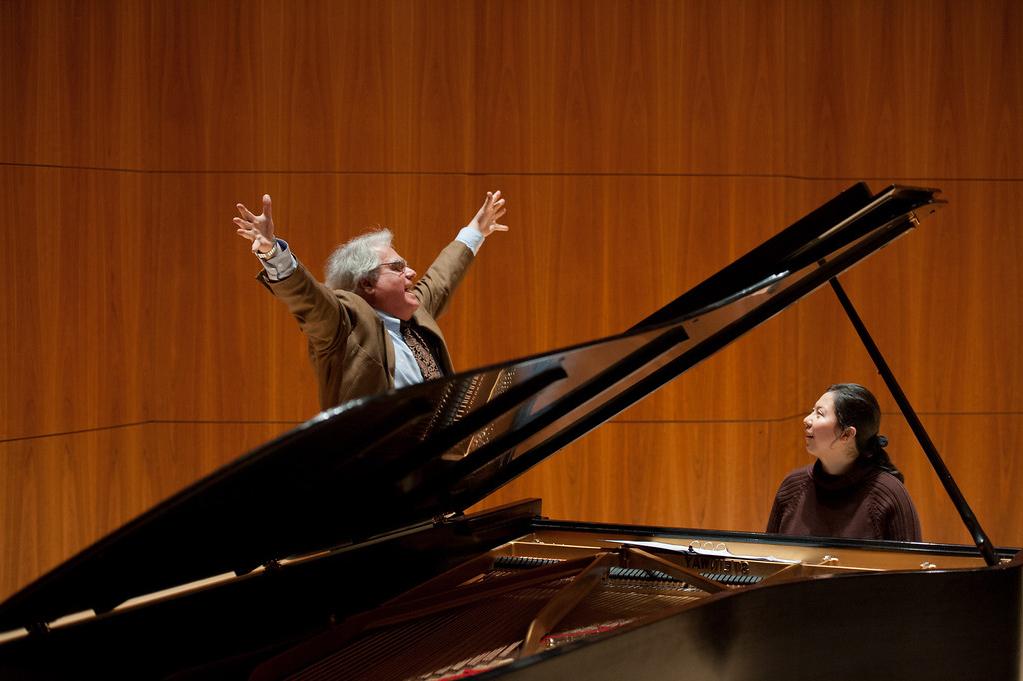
(350, 350)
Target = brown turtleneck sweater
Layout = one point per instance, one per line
(864, 503)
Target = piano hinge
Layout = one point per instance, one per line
(272, 565)
(447, 517)
(38, 629)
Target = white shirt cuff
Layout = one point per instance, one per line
(471, 237)
(282, 264)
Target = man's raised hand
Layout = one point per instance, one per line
(259, 229)
(485, 220)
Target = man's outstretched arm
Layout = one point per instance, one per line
(446, 272)
(315, 307)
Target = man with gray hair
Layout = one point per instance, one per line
(372, 326)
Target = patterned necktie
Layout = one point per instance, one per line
(421, 351)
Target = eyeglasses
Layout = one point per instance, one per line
(398, 266)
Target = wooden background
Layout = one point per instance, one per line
(642, 146)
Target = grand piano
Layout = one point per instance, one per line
(342, 550)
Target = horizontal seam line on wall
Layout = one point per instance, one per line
(780, 176)
(229, 422)
(117, 426)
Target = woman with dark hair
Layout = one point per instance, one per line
(852, 490)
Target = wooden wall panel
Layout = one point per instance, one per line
(725, 475)
(75, 84)
(904, 89)
(642, 146)
(76, 344)
(64, 492)
(181, 320)
(798, 88)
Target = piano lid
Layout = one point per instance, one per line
(392, 461)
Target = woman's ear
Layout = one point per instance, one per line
(850, 433)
